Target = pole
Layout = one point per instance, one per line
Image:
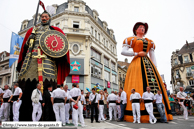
(36, 13)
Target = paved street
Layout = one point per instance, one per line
(177, 123)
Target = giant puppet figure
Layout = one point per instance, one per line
(44, 58)
(142, 72)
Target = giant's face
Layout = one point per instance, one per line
(44, 18)
(140, 30)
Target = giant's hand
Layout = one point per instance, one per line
(142, 54)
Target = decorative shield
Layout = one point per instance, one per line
(54, 44)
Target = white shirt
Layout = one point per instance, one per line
(112, 97)
(1, 91)
(7, 93)
(59, 93)
(83, 99)
(124, 97)
(181, 95)
(158, 98)
(75, 92)
(92, 96)
(99, 97)
(67, 93)
(40, 96)
(135, 96)
(148, 96)
(17, 91)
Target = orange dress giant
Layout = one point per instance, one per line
(142, 73)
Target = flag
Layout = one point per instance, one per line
(42, 4)
(16, 43)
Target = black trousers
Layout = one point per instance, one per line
(94, 107)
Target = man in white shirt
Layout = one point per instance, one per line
(160, 106)
(5, 107)
(37, 103)
(181, 97)
(122, 103)
(16, 101)
(58, 99)
(75, 95)
(148, 98)
(67, 105)
(135, 100)
(83, 101)
(94, 105)
(111, 101)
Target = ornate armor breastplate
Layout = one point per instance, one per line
(30, 66)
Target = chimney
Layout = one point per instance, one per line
(126, 60)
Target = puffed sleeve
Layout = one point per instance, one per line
(152, 53)
(127, 44)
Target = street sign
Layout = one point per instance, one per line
(192, 67)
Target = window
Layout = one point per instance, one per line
(113, 49)
(58, 25)
(188, 69)
(24, 26)
(186, 59)
(113, 66)
(76, 9)
(0, 81)
(96, 55)
(175, 61)
(106, 62)
(104, 42)
(98, 36)
(75, 48)
(114, 78)
(95, 34)
(191, 82)
(96, 72)
(75, 24)
(92, 30)
(8, 80)
(177, 74)
(106, 76)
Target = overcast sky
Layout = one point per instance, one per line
(171, 23)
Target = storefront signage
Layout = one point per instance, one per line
(192, 67)
(76, 66)
(107, 69)
(108, 84)
(75, 78)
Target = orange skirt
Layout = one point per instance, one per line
(140, 74)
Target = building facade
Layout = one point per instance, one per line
(7, 75)
(122, 71)
(93, 53)
(182, 68)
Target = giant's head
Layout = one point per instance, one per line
(45, 18)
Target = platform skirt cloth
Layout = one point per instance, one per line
(140, 74)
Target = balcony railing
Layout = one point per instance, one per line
(189, 75)
(186, 61)
(77, 30)
(5, 71)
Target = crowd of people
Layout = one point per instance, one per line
(177, 109)
(59, 104)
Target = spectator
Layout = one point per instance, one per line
(105, 102)
(172, 104)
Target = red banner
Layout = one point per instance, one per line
(75, 78)
(42, 4)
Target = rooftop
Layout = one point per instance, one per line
(187, 48)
